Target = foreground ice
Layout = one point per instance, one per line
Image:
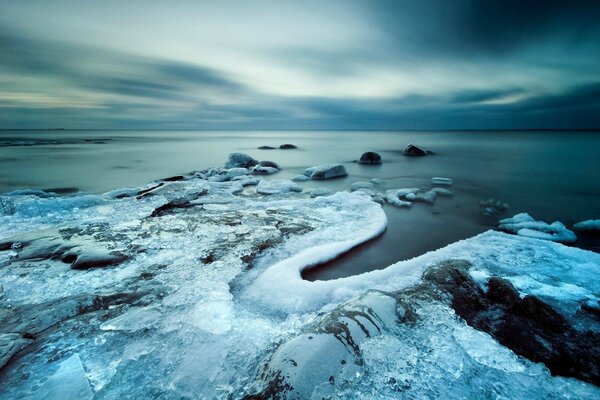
(210, 288)
(524, 225)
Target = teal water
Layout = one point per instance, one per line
(553, 175)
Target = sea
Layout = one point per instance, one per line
(552, 175)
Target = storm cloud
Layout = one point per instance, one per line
(457, 64)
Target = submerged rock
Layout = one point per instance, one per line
(361, 185)
(266, 148)
(370, 157)
(326, 171)
(240, 160)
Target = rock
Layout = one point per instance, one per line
(528, 326)
(493, 207)
(11, 344)
(260, 170)
(414, 151)
(591, 225)
(370, 157)
(246, 180)
(330, 349)
(326, 171)
(266, 148)
(428, 197)
(442, 192)
(174, 178)
(441, 181)
(240, 160)
(269, 164)
(592, 306)
(277, 187)
(301, 178)
(320, 192)
(288, 146)
(82, 251)
(377, 181)
(524, 225)
(360, 185)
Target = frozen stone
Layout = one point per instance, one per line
(591, 225)
(240, 160)
(441, 181)
(442, 192)
(260, 170)
(320, 192)
(524, 225)
(301, 178)
(326, 171)
(377, 181)
(277, 187)
(360, 185)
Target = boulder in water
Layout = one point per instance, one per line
(240, 160)
(370, 157)
(326, 171)
(415, 151)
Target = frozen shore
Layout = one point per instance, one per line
(191, 288)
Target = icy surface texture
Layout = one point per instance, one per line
(326, 171)
(592, 225)
(210, 286)
(524, 225)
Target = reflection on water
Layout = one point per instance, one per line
(551, 175)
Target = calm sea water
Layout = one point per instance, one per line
(551, 175)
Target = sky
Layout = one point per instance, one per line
(380, 65)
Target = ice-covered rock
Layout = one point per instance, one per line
(442, 192)
(370, 157)
(326, 171)
(329, 349)
(524, 225)
(361, 185)
(301, 178)
(441, 181)
(377, 181)
(262, 170)
(277, 187)
(591, 225)
(320, 192)
(240, 160)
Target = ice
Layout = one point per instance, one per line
(69, 382)
(277, 187)
(524, 225)
(591, 225)
(441, 181)
(326, 171)
(210, 290)
(133, 320)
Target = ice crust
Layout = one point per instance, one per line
(219, 288)
(524, 225)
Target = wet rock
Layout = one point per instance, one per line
(261, 170)
(269, 164)
(326, 171)
(240, 160)
(415, 151)
(174, 178)
(288, 146)
(370, 157)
